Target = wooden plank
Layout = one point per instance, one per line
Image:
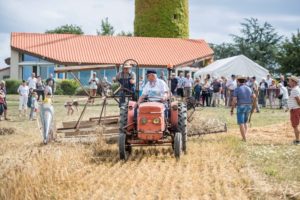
(83, 124)
(106, 121)
(85, 131)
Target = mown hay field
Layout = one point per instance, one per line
(217, 166)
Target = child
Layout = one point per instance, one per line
(33, 106)
(23, 91)
(2, 102)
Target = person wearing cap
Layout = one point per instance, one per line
(231, 85)
(93, 82)
(174, 84)
(127, 79)
(242, 100)
(156, 90)
(294, 106)
(284, 96)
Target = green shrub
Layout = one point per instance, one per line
(69, 86)
(81, 92)
(12, 86)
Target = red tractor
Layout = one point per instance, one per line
(150, 126)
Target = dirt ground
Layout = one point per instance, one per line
(217, 166)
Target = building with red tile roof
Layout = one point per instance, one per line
(40, 53)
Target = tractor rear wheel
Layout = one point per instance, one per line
(182, 124)
(124, 148)
(177, 144)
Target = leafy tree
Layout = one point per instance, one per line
(224, 50)
(123, 33)
(289, 55)
(259, 43)
(106, 28)
(70, 29)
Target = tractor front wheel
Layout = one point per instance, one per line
(177, 144)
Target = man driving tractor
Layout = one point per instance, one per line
(156, 90)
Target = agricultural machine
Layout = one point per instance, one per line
(149, 125)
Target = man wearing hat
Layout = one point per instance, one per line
(294, 106)
(127, 79)
(242, 100)
(156, 90)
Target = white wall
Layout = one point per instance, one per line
(15, 71)
(4, 73)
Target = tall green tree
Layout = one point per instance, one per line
(289, 55)
(67, 29)
(224, 50)
(106, 28)
(258, 42)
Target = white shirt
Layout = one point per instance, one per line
(93, 84)
(32, 83)
(23, 90)
(269, 82)
(180, 82)
(231, 84)
(284, 92)
(155, 91)
(188, 82)
(292, 103)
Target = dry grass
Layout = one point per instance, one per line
(217, 166)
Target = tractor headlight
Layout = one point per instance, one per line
(156, 121)
(144, 120)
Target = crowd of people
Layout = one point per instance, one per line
(214, 91)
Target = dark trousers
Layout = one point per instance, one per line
(205, 98)
(40, 93)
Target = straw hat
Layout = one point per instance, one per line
(294, 78)
(127, 65)
(241, 78)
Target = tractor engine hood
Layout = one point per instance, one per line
(151, 120)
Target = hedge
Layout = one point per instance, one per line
(68, 86)
(12, 86)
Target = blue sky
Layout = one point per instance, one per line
(212, 20)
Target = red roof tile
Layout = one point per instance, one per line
(71, 49)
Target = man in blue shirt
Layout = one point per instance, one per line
(242, 98)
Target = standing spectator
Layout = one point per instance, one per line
(197, 91)
(223, 90)
(174, 84)
(242, 98)
(205, 93)
(2, 101)
(188, 83)
(263, 86)
(93, 86)
(271, 93)
(283, 81)
(284, 96)
(48, 91)
(32, 81)
(162, 76)
(52, 84)
(269, 80)
(255, 90)
(23, 91)
(180, 85)
(127, 80)
(33, 106)
(141, 85)
(40, 87)
(294, 106)
(231, 85)
(3, 88)
(216, 88)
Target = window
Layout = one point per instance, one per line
(26, 72)
(26, 57)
